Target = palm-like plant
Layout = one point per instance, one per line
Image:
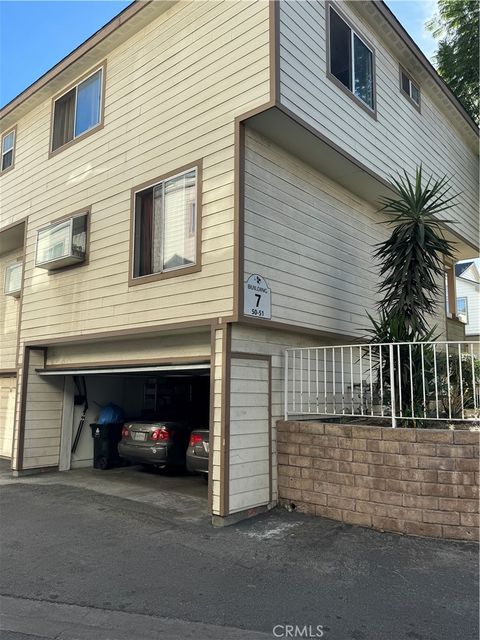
(411, 267)
(412, 257)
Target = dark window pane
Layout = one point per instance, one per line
(88, 104)
(340, 50)
(143, 233)
(405, 84)
(63, 120)
(7, 160)
(415, 95)
(363, 71)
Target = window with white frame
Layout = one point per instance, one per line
(62, 243)
(13, 279)
(8, 150)
(165, 225)
(351, 59)
(409, 88)
(78, 110)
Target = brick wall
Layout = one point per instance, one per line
(416, 481)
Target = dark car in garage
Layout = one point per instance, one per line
(162, 444)
(197, 452)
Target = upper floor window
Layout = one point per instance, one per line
(13, 279)
(351, 60)
(166, 219)
(78, 111)
(409, 88)
(8, 150)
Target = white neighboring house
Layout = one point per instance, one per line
(468, 297)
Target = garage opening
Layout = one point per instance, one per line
(160, 406)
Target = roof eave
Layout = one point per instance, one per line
(111, 26)
(424, 61)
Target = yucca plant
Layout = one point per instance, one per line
(412, 257)
(411, 267)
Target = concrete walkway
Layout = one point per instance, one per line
(29, 619)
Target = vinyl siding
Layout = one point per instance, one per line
(470, 290)
(249, 483)
(312, 241)
(216, 437)
(9, 310)
(131, 351)
(43, 416)
(268, 342)
(7, 414)
(401, 138)
(172, 92)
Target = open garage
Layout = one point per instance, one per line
(142, 399)
(158, 387)
(164, 393)
(176, 395)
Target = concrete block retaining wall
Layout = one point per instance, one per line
(415, 481)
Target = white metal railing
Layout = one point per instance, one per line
(404, 380)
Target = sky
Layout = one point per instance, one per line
(35, 35)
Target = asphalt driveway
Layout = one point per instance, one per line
(118, 555)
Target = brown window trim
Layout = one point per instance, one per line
(418, 106)
(371, 112)
(84, 211)
(180, 271)
(4, 135)
(86, 134)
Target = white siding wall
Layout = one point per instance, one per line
(121, 351)
(400, 138)
(7, 414)
(470, 290)
(310, 239)
(249, 434)
(269, 342)
(43, 417)
(216, 437)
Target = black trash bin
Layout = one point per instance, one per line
(105, 445)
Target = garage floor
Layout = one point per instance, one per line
(184, 495)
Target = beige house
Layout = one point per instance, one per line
(191, 191)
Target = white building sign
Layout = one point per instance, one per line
(258, 298)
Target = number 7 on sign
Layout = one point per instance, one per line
(258, 297)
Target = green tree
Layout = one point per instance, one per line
(457, 57)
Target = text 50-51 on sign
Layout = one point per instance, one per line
(258, 298)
